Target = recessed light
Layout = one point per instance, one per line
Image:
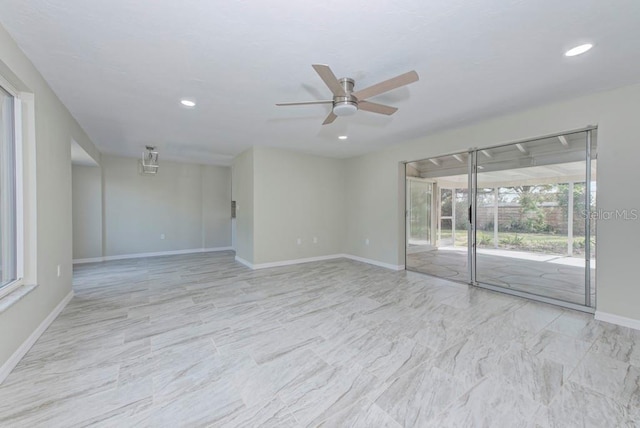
(187, 103)
(578, 50)
(342, 137)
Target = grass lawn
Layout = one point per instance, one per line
(532, 242)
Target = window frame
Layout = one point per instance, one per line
(19, 188)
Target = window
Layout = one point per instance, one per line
(9, 266)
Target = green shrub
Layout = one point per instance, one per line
(514, 240)
(484, 240)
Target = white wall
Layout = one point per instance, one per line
(188, 203)
(54, 130)
(242, 193)
(297, 196)
(87, 211)
(375, 183)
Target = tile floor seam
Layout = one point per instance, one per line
(595, 391)
(352, 405)
(581, 360)
(286, 406)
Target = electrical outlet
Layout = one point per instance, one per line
(162, 236)
(299, 241)
(59, 271)
(315, 239)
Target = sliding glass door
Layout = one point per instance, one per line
(437, 216)
(531, 210)
(529, 215)
(419, 207)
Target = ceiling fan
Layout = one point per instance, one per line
(346, 102)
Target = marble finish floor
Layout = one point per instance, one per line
(544, 276)
(200, 340)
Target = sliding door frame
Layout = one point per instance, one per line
(471, 241)
(473, 169)
(587, 225)
(588, 306)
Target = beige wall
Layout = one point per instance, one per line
(297, 196)
(216, 206)
(54, 130)
(375, 201)
(187, 203)
(242, 193)
(87, 211)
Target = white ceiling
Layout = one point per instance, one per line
(80, 157)
(121, 66)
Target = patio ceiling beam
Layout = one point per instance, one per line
(563, 141)
(520, 181)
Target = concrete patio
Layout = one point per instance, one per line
(554, 276)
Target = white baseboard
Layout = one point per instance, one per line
(374, 262)
(89, 260)
(15, 358)
(317, 259)
(244, 262)
(297, 261)
(241, 260)
(156, 254)
(618, 320)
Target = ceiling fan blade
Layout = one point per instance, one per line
(376, 108)
(303, 103)
(330, 118)
(329, 79)
(387, 85)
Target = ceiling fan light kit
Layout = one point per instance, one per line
(345, 108)
(346, 102)
(346, 105)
